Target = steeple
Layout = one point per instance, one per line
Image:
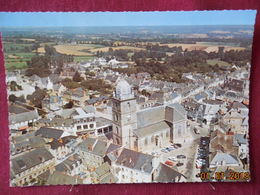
(123, 90)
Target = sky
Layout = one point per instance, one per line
(48, 19)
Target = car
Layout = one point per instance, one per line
(178, 145)
(170, 148)
(196, 131)
(179, 164)
(173, 158)
(164, 150)
(170, 163)
(181, 156)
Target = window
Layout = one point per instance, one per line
(167, 134)
(78, 127)
(117, 130)
(152, 139)
(146, 141)
(156, 140)
(85, 126)
(91, 125)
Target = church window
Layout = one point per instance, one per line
(152, 139)
(146, 141)
(156, 140)
(117, 130)
(179, 131)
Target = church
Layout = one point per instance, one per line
(148, 129)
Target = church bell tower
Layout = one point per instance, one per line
(124, 114)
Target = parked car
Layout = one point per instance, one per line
(173, 158)
(164, 150)
(170, 163)
(181, 156)
(176, 145)
(179, 164)
(196, 131)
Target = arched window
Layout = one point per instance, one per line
(152, 139)
(146, 141)
(117, 130)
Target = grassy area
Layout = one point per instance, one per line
(82, 58)
(219, 62)
(15, 65)
(16, 56)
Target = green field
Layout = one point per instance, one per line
(82, 58)
(16, 55)
(219, 62)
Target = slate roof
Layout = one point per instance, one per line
(239, 139)
(97, 147)
(102, 169)
(150, 116)
(151, 129)
(30, 159)
(58, 178)
(47, 132)
(110, 178)
(97, 99)
(227, 158)
(167, 174)
(15, 109)
(23, 137)
(175, 113)
(67, 165)
(135, 160)
(100, 122)
(23, 117)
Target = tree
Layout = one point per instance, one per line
(68, 105)
(12, 98)
(77, 77)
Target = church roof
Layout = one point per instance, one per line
(151, 129)
(150, 116)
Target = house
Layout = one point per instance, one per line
(103, 174)
(103, 126)
(97, 101)
(210, 111)
(222, 142)
(71, 166)
(94, 152)
(28, 144)
(165, 174)
(74, 121)
(52, 102)
(49, 134)
(223, 159)
(234, 120)
(26, 167)
(23, 120)
(58, 178)
(241, 141)
(134, 167)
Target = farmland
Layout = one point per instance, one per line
(17, 55)
(203, 46)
